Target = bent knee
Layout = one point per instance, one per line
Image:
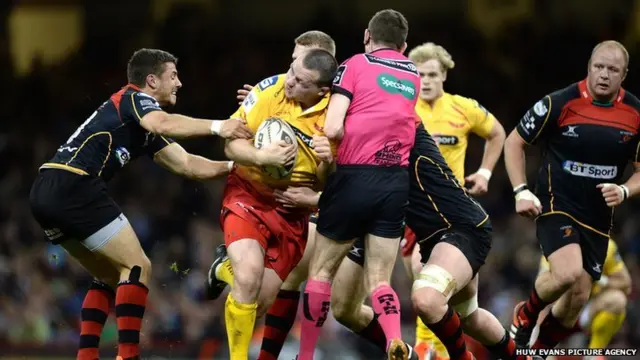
(429, 303)
(566, 278)
(248, 276)
(613, 300)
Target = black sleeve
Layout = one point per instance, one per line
(157, 143)
(136, 105)
(543, 116)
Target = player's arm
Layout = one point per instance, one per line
(493, 147)
(614, 194)
(342, 89)
(336, 113)
(176, 159)
(531, 128)
(620, 280)
(298, 197)
(181, 126)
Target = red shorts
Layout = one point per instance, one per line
(246, 214)
(408, 243)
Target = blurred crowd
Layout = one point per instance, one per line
(41, 289)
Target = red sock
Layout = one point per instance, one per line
(552, 332)
(449, 331)
(317, 302)
(95, 311)
(385, 304)
(131, 298)
(533, 307)
(374, 334)
(280, 318)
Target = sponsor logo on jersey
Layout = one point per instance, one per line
(589, 170)
(393, 85)
(123, 155)
(446, 139)
(625, 136)
(540, 108)
(402, 65)
(267, 82)
(249, 102)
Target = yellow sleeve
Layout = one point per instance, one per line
(256, 106)
(544, 265)
(480, 118)
(613, 262)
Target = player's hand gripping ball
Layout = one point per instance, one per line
(278, 141)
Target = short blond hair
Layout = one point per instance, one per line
(614, 44)
(318, 39)
(429, 51)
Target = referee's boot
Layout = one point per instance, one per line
(521, 327)
(215, 287)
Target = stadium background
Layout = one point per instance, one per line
(60, 59)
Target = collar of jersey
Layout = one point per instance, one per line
(321, 105)
(441, 100)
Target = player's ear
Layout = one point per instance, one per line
(324, 90)
(152, 81)
(367, 37)
(403, 48)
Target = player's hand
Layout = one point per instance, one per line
(297, 197)
(322, 147)
(527, 204)
(235, 129)
(277, 154)
(613, 194)
(242, 93)
(479, 184)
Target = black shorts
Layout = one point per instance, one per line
(473, 242)
(356, 254)
(557, 230)
(71, 206)
(359, 200)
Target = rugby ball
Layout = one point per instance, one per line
(273, 130)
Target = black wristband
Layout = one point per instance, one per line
(520, 189)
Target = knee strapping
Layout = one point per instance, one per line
(468, 307)
(437, 278)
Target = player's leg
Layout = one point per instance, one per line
(559, 239)
(381, 250)
(246, 250)
(339, 224)
(426, 340)
(482, 325)
(561, 320)
(348, 295)
(446, 272)
(605, 315)
(99, 299)
(281, 315)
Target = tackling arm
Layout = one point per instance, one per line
(336, 113)
(243, 152)
(177, 160)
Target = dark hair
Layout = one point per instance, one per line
(389, 28)
(323, 62)
(317, 38)
(147, 61)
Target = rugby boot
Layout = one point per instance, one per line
(521, 328)
(213, 286)
(399, 350)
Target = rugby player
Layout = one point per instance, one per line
(450, 119)
(577, 187)
(282, 314)
(605, 312)
(372, 114)
(70, 201)
(265, 240)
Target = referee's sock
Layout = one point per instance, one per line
(131, 300)
(95, 311)
(317, 302)
(279, 320)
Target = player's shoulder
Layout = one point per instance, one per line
(566, 93)
(466, 103)
(270, 84)
(631, 100)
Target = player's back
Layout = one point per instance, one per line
(380, 122)
(437, 201)
(111, 137)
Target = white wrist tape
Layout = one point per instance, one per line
(486, 173)
(623, 190)
(216, 125)
(230, 165)
(527, 195)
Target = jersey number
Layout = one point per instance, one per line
(79, 129)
